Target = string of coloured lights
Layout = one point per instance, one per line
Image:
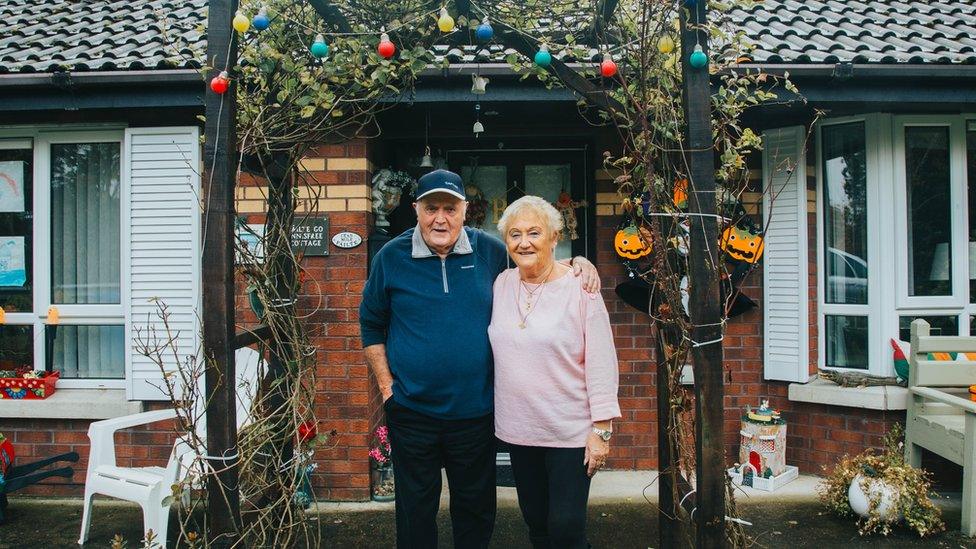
(484, 33)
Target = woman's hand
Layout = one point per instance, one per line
(595, 454)
(583, 267)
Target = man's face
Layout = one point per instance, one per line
(441, 218)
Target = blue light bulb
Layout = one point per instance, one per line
(484, 31)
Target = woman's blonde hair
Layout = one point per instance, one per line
(535, 205)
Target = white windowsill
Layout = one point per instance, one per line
(72, 404)
(821, 391)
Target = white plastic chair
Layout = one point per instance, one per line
(149, 486)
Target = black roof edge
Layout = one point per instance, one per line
(863, 70)
(95, 79)
(826, 70)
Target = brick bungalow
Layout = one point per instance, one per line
(862, 242)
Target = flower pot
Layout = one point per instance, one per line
(860, 498)
(381, 479)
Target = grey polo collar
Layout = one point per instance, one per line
(420, 248)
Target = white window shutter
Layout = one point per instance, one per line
(786, 348)
(161, 233)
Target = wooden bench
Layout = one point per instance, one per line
(941, 417)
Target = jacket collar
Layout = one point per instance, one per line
(420, 249)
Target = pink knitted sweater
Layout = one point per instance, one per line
(558, 375)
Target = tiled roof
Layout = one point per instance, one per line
(101, 35)
(861, 31)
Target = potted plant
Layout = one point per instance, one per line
(882, 490)
(27, 383)
(381, 473)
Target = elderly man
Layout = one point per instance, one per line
(424, 320)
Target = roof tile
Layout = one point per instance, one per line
(46, 35)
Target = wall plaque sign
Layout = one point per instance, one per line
(309, 236)
(347, 240)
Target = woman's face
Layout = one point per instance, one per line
(530, 243)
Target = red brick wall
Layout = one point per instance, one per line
(817, 434)
(347, 399)
(35, 439)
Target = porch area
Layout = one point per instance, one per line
(619, 516)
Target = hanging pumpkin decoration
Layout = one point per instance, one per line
(567, 207)
(632, 243)
(680, 194)
(742, 244)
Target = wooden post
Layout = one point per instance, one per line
(705, 305)
(223, 498)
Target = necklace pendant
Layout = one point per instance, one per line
(522, 325)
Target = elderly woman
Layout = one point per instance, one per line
(555, 376)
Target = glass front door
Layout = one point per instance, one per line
(495, 179)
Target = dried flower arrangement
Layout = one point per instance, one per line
(911, 488)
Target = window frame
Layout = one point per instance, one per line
(957, 189)
(888, 297)
(869, 309)
(41, 139)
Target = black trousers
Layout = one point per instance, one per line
(421, 445)
(552, 491)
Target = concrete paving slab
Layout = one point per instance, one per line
(609, 487)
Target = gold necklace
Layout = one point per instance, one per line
(528, 308)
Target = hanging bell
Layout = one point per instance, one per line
(426, 162)
(478, 128)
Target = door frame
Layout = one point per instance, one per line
(515, 160)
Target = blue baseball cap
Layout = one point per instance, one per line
(440, 181)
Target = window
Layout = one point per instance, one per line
(897, 225)
(61, 246)
(845, 245)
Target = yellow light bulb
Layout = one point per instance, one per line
(445, 22)
(53, 316)
(665, 44)
(241, 23)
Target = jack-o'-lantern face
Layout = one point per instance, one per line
(742, 244)
(632, 243)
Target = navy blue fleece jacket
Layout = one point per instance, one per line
(433, 316)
